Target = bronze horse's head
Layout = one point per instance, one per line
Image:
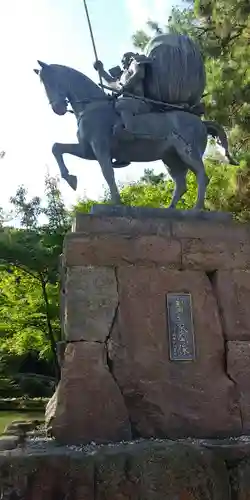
(56, 94)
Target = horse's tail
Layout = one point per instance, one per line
(218, 132)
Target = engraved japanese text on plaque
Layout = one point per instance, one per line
(180, 327)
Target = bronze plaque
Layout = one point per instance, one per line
(180, 327)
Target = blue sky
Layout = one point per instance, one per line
(56, 31)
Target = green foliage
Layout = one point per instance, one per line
(151, 178)
(85, 205)
(228, 83)
(26, 328)
(221, 188)
(140, 39)
(29, 278)
(224, 191)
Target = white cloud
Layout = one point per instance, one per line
(142, 10)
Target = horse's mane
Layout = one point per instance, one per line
(76, 78)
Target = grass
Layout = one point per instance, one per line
(6, 417)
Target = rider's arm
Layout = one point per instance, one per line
(107, 77)
(113, 81)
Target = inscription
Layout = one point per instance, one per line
(180, 327)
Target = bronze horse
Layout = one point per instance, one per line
(176, 137)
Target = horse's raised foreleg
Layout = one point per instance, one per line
(102, 154)
(59, 150)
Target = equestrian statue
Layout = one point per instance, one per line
(152, 112)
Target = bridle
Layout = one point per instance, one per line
(86, 101)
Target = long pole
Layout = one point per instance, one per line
(92, 39)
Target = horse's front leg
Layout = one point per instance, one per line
(101, 151)
(58, 151)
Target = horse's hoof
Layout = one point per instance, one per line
(72, 181)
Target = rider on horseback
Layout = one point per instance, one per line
(128, 82)
(140, 85)
(129, 79)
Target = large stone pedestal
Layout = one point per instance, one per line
(118, 380)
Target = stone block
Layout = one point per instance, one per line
(119, 272)
(233, 292)
(240, 480)
(90, 303)
(212, 254)
(88, 405)
(110, 250)
(155, 471)
(89, 224)
(146, 471)
(167, 398)
(238, 367)
(210, 230)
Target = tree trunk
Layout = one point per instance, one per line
(50, 329)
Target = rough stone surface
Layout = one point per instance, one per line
(88, 404)
(62, 273)
(178, 228)
(166, 398)
(111, 250)
(145, 471)
(240, 481)
(119, 271)
(48, 477)
(91, 302)
(51, 408)
(211, 255)
(153, 472)
(231, 450)
(89, 224)
(60, 349)
(205, 245)
(238, 367)
(233, 291)
(210, 230)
